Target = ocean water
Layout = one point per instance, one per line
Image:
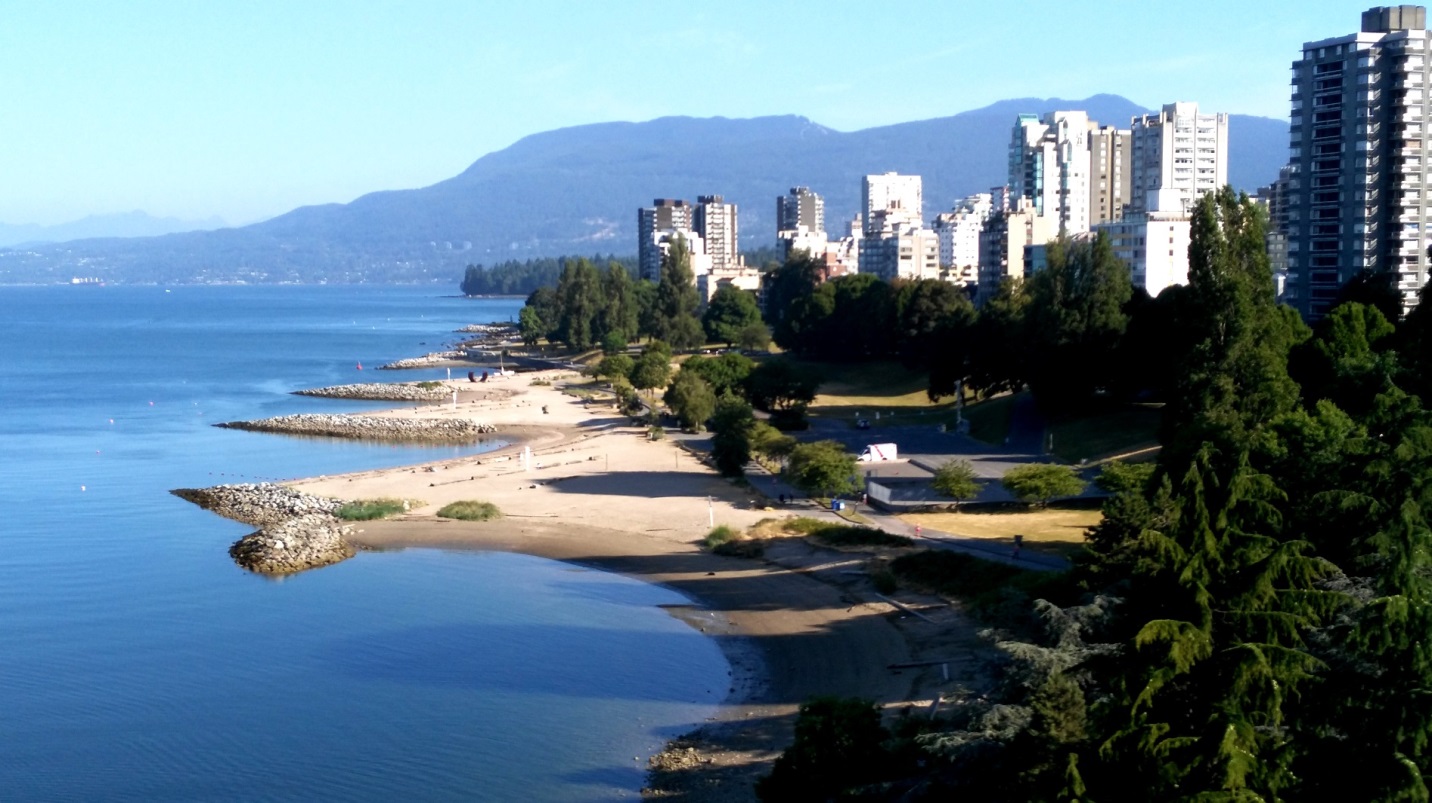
(137, 662)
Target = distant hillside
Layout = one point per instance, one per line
(124, 224)
(576, 191)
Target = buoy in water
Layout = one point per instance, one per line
(360, 366)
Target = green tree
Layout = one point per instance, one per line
(674, 317)
(579, 302)
(530, 325)
(726, 374)
(1041, 482)
(615, 365)
(839, 744)
(754, 337)
(731, 429)
(771, 443)
(1075, 321)
(730, 311)
(933, 318)
(998, 363)
(782, 388)
(795, 279)
(822, 468)
(956, 479)
(618, 314)
(653, 368)
(691, 399)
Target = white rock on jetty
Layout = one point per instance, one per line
(382, 391)
(367, 427)
(299, 531)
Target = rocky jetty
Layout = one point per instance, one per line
(488, 329)
(436, 358)
(383, 391)
(369, 427)
(258, 503)
(299, 531)
(306, 542)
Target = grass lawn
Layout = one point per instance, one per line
(989, 419)
(1125, 429)
(1049, 531)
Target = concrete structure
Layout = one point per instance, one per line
(715, 221)
(1005, 243)
(959, 231)
(1153, 244)
(1178, 149)
(654, 225)
(900, 197)
(1359, 156)
(800, 209)
(743, 277)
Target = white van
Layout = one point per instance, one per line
(878, 452)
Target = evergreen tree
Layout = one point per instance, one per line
(795, 279)
(619, 305)
(998, 363)
(579, 302)
(674, 318)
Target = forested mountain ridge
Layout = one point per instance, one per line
(576, 191)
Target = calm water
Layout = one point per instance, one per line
(138, 663)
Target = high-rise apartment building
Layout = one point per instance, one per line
(1069, 168)
(715, 221)
(1356, 198)
(1177, 149)
(896, 195)
(664, 217)
(800, 209)
(959, 231)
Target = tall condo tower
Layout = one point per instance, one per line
(716, 223)
(899, 197)
(664, 217)
(1177, 150)
(800, 208)
(1356, 194)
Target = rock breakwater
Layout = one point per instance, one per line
(369, 427)
(436, 358)
(298, 531)
(383, 391)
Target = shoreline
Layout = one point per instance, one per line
(599, 494)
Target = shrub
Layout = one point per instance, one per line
(370, 509)
(655, 432)
(884, 580)
(848, 536)
(719, 535)
(470, 510)
(430, 385)
(540, 383)
(839, 744)
(741, 548)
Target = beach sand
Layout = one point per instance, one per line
(797, 624)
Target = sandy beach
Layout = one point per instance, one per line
(799, 623)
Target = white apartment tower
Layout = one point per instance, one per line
(1357, 193)
(715, 221)
(1181, 150)
(959, 231)
(896, 195)
(654, 223)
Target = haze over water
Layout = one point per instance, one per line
(139, 663)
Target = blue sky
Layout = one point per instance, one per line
(245, 110)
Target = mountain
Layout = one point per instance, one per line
(576, 191)
(124, 224)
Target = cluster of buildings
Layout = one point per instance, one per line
(1355, 196)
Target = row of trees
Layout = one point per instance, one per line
(521, 277)
(592, 306)
(1251, 619)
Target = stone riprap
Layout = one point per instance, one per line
(258, 503)
(382, 391)
(306, 542)
(298, 530)
(369, 427)
(425, 361)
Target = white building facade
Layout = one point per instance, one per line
(1180, 150)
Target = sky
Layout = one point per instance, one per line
(245, 109)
